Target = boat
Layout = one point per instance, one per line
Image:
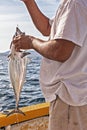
(36, 118)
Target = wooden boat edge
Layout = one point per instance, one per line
(31, 112)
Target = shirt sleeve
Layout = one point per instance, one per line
(51, 21)
(72, 23)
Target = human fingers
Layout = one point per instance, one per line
(16, 38)
(18, 46)
(16, 42)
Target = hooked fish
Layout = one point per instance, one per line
(17, 71)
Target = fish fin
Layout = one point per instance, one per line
(9, 55)
(25, 54)
(16, 111)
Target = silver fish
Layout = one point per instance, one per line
(17, 72)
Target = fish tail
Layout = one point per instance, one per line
(17, 110)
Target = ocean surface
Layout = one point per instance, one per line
(31, 92)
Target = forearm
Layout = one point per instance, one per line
(56, 49)
(49, 49)
(40, 20)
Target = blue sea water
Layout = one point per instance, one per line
(31, 92)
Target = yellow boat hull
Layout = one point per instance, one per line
(33, 114)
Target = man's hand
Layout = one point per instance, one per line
(22, 42)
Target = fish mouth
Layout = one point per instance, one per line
(15, 111)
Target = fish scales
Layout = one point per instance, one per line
(17, 72)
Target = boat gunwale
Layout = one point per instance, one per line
(31, 112)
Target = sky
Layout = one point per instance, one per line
(14, 13)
